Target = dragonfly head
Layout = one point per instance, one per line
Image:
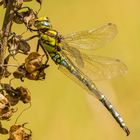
(42, 23)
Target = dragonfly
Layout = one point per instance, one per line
(73, 53)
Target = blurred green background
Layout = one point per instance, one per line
(61, 110)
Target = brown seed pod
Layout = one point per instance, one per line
(33, 62)
(17, 45)
(7, 113)
(13, 100)
(25, 15)
(25, 95)
(13, 96)
(23, 46)
(4, 103)
(4, 72)
(20, 72)
(7, 88)
(33, 68)
(37, 75)
(19, 132)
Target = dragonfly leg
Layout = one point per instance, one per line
(32, 37)
(38, 43)
(46, 53)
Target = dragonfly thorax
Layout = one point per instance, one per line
(50, 40)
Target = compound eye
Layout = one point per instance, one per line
(46, 23)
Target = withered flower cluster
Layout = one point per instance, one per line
(31, 68)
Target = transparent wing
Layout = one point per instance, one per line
(73, 53)
(95, 67)
(98, 67)
(91, 39)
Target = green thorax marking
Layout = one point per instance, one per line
(51, 43)
(49, 40)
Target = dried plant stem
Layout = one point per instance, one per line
(6, 29)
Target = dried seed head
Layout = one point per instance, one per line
(4, 103)
(19, 132)
(7, 113)
(33, 62)
(25, 95)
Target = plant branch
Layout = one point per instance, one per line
(6, 29)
